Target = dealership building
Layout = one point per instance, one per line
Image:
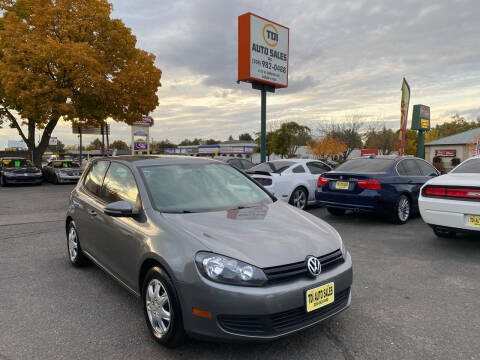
(461, 146)
(233, 148)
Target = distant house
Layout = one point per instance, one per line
(461, 146)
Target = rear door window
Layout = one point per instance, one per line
(94, 179)
(408, 168)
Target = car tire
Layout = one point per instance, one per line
(75, 255)
(444, 233)
(335, 211)
(299, 198)
(3, 182)
(55, 180)
(161, 307)
(402, 210)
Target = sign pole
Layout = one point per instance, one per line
(421, 144)
(80, 134)
(263, 127)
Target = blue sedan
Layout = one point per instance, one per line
(378, 184)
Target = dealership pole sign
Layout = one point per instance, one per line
(140, 131)
(263, 55)
(405, 101)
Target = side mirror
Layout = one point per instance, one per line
(119, 209)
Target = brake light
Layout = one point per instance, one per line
(370, 184)
(452, 192)
(321, 182)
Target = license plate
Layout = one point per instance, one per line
(320, 296)
(342, 185)
(474, 220)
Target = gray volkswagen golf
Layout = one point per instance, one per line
(210, 253)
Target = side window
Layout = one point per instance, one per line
(426, 168)
(317, 168)
(298, 169)
(246, 164)
(408, 168)
(119, 184)
(94, 178)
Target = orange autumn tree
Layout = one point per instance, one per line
(69, 60)
(327, 146)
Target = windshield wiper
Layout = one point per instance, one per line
(180, 212)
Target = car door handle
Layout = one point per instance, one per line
(92, 212)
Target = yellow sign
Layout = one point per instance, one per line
(320, 296)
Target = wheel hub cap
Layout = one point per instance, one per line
(299, 199)
(72, 244)
(403, 209)
(158, 307)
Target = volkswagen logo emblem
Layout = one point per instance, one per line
(313, 265)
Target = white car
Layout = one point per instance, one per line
(451, 203)
(291, 180)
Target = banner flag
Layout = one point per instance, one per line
(404, 116)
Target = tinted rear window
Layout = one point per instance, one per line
(468, 167)
(365, 165)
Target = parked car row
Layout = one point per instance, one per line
(16, 170)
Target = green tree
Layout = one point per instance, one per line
(160, 146)
(95, 145)
(289, 137)
(385, 140)
(119, 145)
(245, 137)
(230, 138)
(70, 60)
(187, 142)
(270, 140)
(212, 141)
(347, 132)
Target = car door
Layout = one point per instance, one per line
(122, 236)
(412, 178)
(88, 204)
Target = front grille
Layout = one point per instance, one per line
(264, 181)
(282, 272)
(274, 324)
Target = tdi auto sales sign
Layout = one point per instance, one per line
(262, 51)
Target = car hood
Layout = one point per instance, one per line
(21, 170)
(264, 236)
(456, 180)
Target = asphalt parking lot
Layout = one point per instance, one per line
(415, 296)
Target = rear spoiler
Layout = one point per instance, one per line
(266, 173)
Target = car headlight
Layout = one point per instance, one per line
(9, 174)
(226, 270)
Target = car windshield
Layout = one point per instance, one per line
(272, 166)
(468, 167)
(366, 165)
(184, 188)
(64, 164)
(16, 163)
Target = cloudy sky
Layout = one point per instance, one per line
(346, 58)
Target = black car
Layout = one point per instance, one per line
(17, 170)
(378, 184)
(239, 163)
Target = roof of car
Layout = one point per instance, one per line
(13, 158)
(299, 161)
(145, 160)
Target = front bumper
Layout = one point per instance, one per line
(29, 179)
(448, 213)
(260, 313)
(68, 178)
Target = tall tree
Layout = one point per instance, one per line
(384, 140)
(95, 145)
(326, 147)
(119, 145)
(245, 137)
(347, 132)
(70, 60)
(289, 137)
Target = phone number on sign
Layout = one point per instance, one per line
(268, 65)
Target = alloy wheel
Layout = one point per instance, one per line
(403, 209)
(72, 244)
(299, 199)
(158, 307)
